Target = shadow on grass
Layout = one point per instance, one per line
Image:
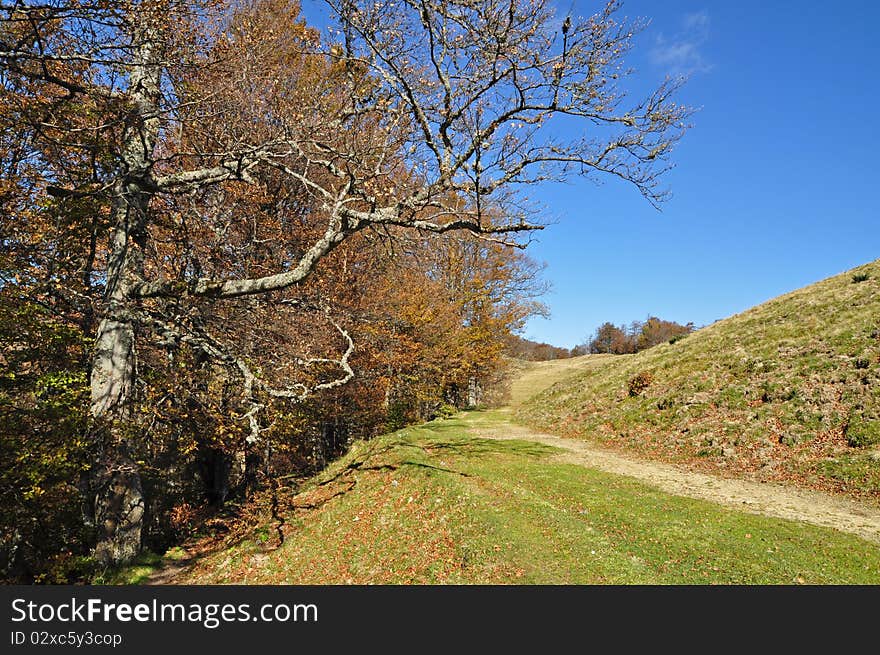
(148, 568)
(475, 446)
(438, 438)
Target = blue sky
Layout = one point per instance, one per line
(774, 187)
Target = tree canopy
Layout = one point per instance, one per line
(229, 221)
(632, 338)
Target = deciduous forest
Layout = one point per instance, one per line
(232, 243)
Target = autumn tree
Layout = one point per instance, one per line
(162, 115)
(491, 291)
(655, 331)
(611, 339)
(639, 335)
(537, 351)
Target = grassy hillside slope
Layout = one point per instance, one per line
(530, 378)
(435, 504)
(788, 390)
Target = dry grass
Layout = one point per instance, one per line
(787, 391)
(531, 378)
(436, 505)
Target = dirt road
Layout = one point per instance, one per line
(756, 497)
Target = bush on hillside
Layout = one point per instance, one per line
(861, 432)
(638, 383)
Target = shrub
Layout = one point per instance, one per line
(396, 416)
(445, 410)
(768, 391)
(860, 277)
(861, 432)
(638, 383)
(44, 452)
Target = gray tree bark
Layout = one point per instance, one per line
(119, 500)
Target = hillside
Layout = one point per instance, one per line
(441, 504)
(786, 391)
(782, 391)
(530, 378)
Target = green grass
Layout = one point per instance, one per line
(135, 573)
(436, 505)
(532, 377)
(793, 383)
(139, 571)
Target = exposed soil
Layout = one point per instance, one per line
(755, 497)
(767, 498)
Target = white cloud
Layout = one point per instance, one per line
(681, 54)
(698, 20)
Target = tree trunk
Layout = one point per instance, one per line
(118, 499)
(214, 467)
(118, 494)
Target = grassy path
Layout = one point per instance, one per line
(477, 499)
(436, 504)
(531, 378)
(756, 497)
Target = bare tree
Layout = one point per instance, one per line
(429, 115)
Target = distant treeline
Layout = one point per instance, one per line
(607, 339)
(632, 338)
(534, 351)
